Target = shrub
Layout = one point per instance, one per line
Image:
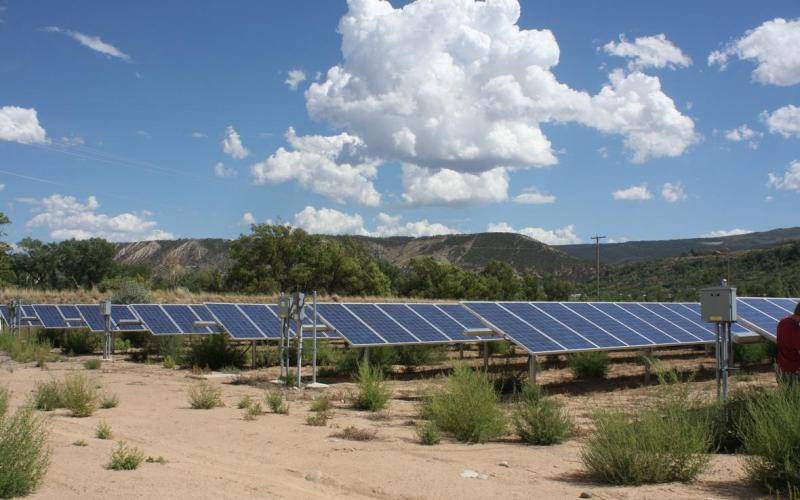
(353, 433)
(589, 365)
(467, 407)
(5, 395)
(771, 439)
(419, 355)
(24, 455)
(79, 395)
(125, 458)
(169, 363)
(25, 349)
(92, 364)
(428, 433)
(321, 404)
(245, 402)
(541, 421)
(750, 354)
(276, 403)
(128, 291)
(205, 396)
(103, 431)
(373, 394)
(347, 361)
(726, 418)
(213, 352)
(253, 411)
(109, 400)
(659, 444)
(47, 396)
(319, 419)
(81, 342)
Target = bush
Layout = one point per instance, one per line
(659, 444)
(771, 439)
(542, 421)
(428, 433)
(125, 458)
(92, 364)
(24, 455)
(750, 354)
(589, 365)
(213, 352)
(103, 431)
(321, 404)
(25, 349)
(353, 433)
(347, 361)
(726, 418)
(47, 396)
(467, 407)
(419, 355)
(169, 363)
(79, 395)
(81, 342)
(5, 395)
(129, 291)
(109, 400)
(276, 403)
(373, 394)
(205, 396)
(253, 411)
(319, 419)
(245, 402)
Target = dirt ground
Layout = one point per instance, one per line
(216, 454)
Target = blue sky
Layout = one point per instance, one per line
(638, 121)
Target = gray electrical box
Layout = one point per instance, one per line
(283, 307)
(105, 307)
(718, 304)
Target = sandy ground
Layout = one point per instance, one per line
(216, 454)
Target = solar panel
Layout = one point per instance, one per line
(579, 325)
(658, 321)
(453, 329)
(90, 313)
(156, 319)
(694, 308)
(390, 330)
(680, 320)
(608, 323)
(184, 317)
(120, 313)
(71, 315)
(235, 322)
(307, 321)
(532, 315)
(763, 314)
(520, 331)
(413, 322)
(355, 331)
(202, 312)
(50, 316)
(28, 312)
(263, 317)
(5, 315)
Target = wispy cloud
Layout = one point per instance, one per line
(93, 42)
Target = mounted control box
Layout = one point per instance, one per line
(105, 308)
(284, 303)
(718, 304)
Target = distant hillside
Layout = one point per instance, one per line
(471, 251)
(633, 251)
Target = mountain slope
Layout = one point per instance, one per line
(632, 251)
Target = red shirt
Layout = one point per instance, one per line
(789, 345)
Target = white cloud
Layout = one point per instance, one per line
(334, 166)
(784, 121)
(220, 170)
(744, 133)
(648, 52)
(72, 141)
(332, 221)
(65, 218)
(790, 180)
(725, 232)
(199, 135)
(449, 187)
(673, 193)
(295, 76)
(560, 236)
(772, 46)
(532, 196)
(21, 125)
(329, 221)
(633, 193)
(247, 219)
(232, 144)
(93, 42)
(471, 94)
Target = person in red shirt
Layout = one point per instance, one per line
(789, 347)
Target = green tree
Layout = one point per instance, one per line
(6, 272)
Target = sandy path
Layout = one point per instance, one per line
(216, 454)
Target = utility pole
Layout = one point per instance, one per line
(597, 239)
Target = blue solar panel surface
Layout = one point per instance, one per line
(184, 318)
(501, 319)
(764, 313)
(695, 329)
(234, 321)
(613, 326)
(4, 314)
(28, 312)
(451, 328)
(49, 315)
(264, 318)
(71, 315)
(389, 329)
(92, 317)
(349, 326)
(413, 322)
(156, 319)
(586, 329)
(202, 312)
(532, 315)
(121, 312)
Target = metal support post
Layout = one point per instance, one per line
(486, 356)
(366, 355)
(299, 337)
(718, 359)
(254, 358)
(648, 362)
(531, 369)
(314, 331)
(460, 351)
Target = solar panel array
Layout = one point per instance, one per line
(256, 321)
(762, 314)
(366, 324)
(553, 327)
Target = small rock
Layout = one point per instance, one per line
(333, 440)
(314, 476)
(471, 474)
(504, 463)
(585, 494)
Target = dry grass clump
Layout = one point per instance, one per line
(322, 404)
(319, 419)
(24, 455)
(253, 411)
(354, 433)
(103, 431)
(124, 457)
(373, 394)
(539, 419)
(276, 403)
(80, 443)
(428, 433)
(79, 395)
(205, 396)
(92, 364)
(108, 400)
